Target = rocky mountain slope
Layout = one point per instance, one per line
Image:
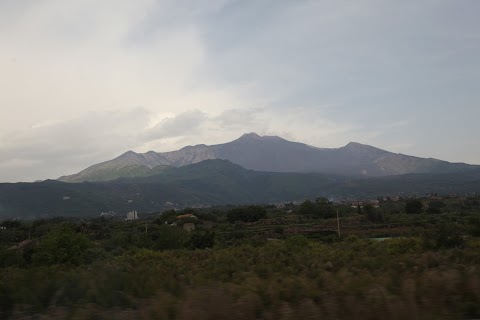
(271, 154)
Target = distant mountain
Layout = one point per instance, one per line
(271, 154)
(411, 184)
(213, 182)
(209, 182)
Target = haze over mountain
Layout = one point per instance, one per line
(271, 154)
(82, 83)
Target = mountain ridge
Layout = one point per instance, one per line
(214, 182)
(271, 154)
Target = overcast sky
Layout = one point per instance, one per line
(83, 81)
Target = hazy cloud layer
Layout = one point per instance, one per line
(84, 81)
(184, 124)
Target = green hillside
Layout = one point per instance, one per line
(212, 182)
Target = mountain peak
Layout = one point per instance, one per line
(251, 135)
(249, 138)
(355, 144)
(359, 146)
(128, 154)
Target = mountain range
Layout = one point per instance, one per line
(213, 182)
(251, 169)
(271, 154)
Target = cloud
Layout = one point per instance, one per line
(50, 150)
(60, 59)
(83, 81)
(184, 124)
(240, 118)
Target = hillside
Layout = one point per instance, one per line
(212, 182)
(206, 183)
(271, 154)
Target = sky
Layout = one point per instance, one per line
(82, 82)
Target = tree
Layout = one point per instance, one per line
(201, 240)
(321, 208)
(322, 201)
(372, 213)
(413, 206)
(445, 236)
(168, 215)
(168, 238)
(246, 214)
(62, 245)
(435, 207)
(368, 208)
(307, 207)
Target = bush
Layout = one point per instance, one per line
(62, 245)
(200, 240)
(168, 238)
(246, 214)
(403, 245)
(444, 236)
(435, 207)
(6, 302)
(413, 206)
(322, 208)
(373, 214)
(296, 242)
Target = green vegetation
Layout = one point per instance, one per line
(252, 262)
(61, 245)
(214, 182)
(111, 173)
(321, 208)
(246, 214)
(413, 206)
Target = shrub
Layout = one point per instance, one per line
(444, 236)
(246, 214)
(62, 245)
(413, 206)
(403, 245)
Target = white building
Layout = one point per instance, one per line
(132, 215)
